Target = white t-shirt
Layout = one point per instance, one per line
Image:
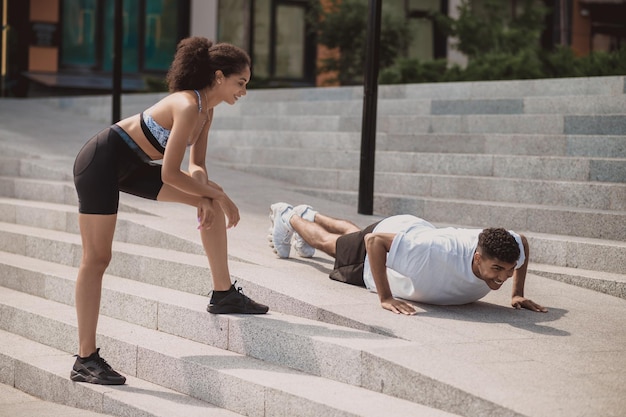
(432, 265)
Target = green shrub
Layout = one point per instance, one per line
(500, 47)
(344, 26)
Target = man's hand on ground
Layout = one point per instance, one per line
(521, 302)
(397, 306)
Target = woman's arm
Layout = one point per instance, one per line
(185, 118)
(197, 153)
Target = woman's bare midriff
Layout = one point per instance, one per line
(132, 126)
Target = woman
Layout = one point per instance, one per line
(120, 158)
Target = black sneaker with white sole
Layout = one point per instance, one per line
(235, 302)
(95, 370)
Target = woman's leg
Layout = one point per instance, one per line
(225, 298)
(215, 243)
(97, 237)
(214, 239)
(323, 233)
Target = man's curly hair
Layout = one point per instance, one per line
(197, 59)
(498, 243)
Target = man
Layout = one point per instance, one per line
(407, 258)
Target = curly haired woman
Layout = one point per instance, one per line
(120, 158)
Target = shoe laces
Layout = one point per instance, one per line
(240, 291)
(103, 363)
(100, 361)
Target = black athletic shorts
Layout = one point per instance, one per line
(111, 162)
(350, 257)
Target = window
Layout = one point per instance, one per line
(80, 19)
(151, 31)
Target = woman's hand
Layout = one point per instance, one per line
(206, 213)
(230, 210)
(215, 185)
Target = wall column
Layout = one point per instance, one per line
(204, 18)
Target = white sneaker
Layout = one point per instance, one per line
(302, 248)
(280, 232)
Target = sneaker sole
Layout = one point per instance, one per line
(270, 237)
(78, 377)
(232, 310)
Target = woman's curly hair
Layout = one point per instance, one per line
(197, 59)
(498, 243)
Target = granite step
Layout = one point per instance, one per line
(226, 379)
(329, 351)
(49, 232)
(565, 105)
(393, 162)
(599, 146)
(569, 222)
(410, 124)
(16, 403)
(42, 371)
(606, 282)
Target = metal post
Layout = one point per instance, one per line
(370, 91)
(5, 28)
(117, 62)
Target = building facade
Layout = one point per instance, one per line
(66, 46)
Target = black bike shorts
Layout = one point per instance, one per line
(111, 162)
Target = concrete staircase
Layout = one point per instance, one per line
(545, 157)
(179, 359)
(328, 349)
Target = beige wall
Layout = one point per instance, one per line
(43, 58)
(44, 10)
(204, 18)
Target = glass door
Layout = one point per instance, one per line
(79, 33)
(292, 53)
(290, 38)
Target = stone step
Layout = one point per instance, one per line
(589, 86)
(226, 379)
(16, 403)
(183, 315)
(407, 124)
(506, 166)
(26, 167)
(171, 269)
(51, 191)
(564, 221)
(24, 227)
(565, 105)
(475, 143)
(43, 372)
(608, 283)
(574, 195)
(475, 352)
(131, 227)
(329, 351)
(594, 95)
(411, 124)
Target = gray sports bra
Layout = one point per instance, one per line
(157, 134)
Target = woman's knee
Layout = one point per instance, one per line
(97, 262)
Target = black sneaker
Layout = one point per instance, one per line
(235, 302)
(95, 370)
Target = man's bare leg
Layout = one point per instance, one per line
(323, 233)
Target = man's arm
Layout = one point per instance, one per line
(519, 278)
(377, 246)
